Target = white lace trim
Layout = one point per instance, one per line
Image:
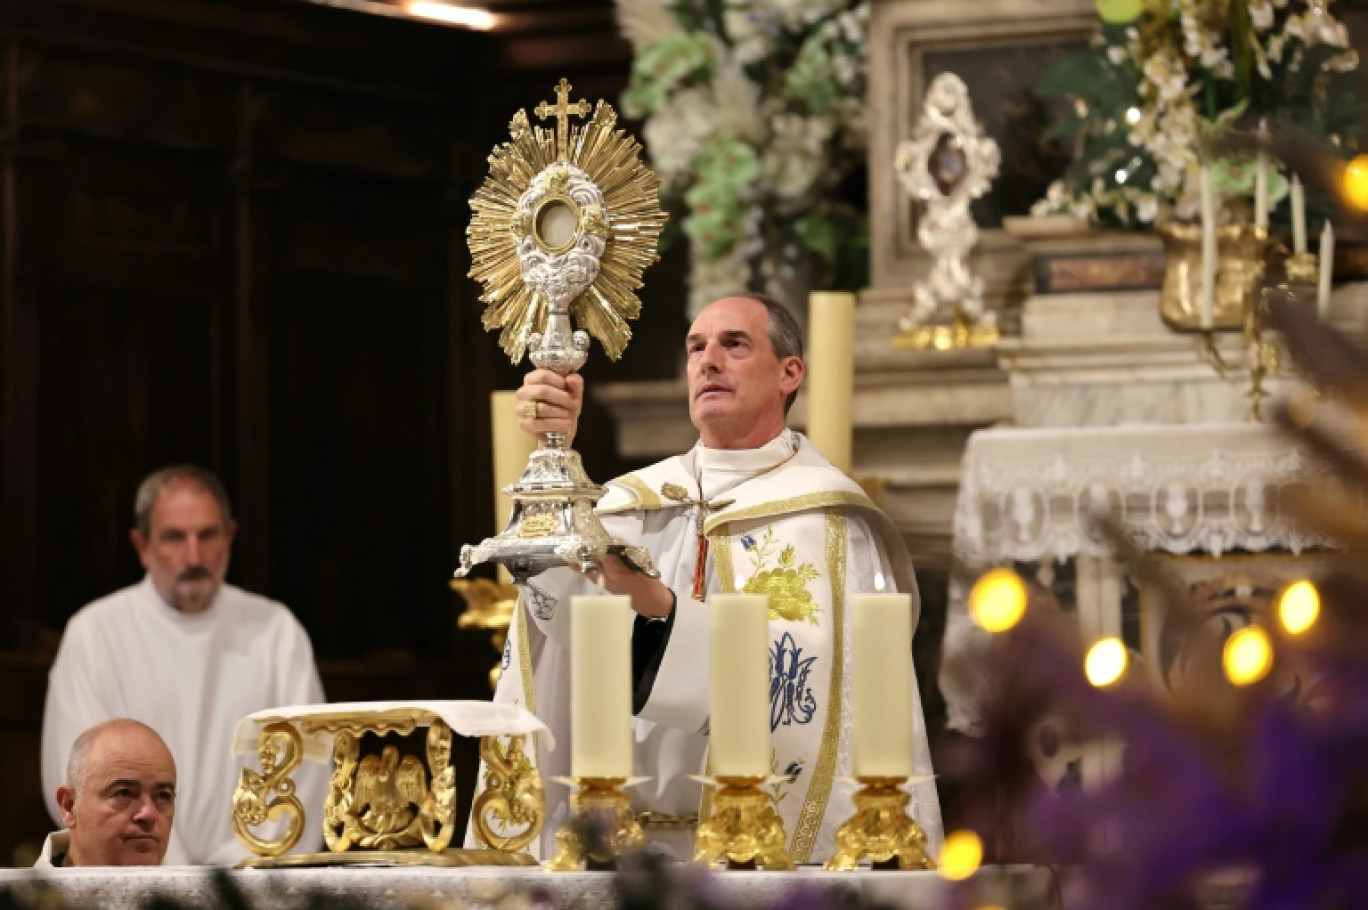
(1030, 495)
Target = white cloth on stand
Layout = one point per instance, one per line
(465, 718)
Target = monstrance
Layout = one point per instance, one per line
(563, 227)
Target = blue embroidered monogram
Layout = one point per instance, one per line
(791, 700)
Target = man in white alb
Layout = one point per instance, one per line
(753, 506)
(187, 655)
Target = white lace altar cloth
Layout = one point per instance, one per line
(465, 718)
(475, 888)
(1029, 495)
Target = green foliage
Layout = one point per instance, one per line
(1153, 96)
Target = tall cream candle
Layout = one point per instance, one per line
(601, 686)
(739, 731)
(1207, 298)
(511, 448)
(1298, 216)
(1327, 270)
(881, 681)
(831, 374)
(1261, 179)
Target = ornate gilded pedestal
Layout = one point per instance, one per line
(392, 794)
(880, 831)
(489, 608)
(601, 829)
(947, 163)
(744, 830)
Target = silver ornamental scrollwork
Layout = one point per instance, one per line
(561, 271)
(946, 164)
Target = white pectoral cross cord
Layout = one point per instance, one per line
(705, 507)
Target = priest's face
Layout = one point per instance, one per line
(119, 812)
(187, 547)
(737, 385)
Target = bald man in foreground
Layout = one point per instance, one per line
(118, 801)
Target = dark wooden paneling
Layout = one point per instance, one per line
(354, 289)
(150, 103)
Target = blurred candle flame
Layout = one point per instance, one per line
(961, 856)
(998, 600)
(1298, 607)
(1248, 656)
(1106, 662)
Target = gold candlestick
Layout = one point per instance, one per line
(602, 828)
(744, 830)
(1302, 268)
(880, 830)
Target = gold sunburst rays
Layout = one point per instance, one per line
(631, 207)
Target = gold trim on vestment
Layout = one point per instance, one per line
(646, 497)
(784, 506)
(819, 791)
(647, 500)
(525, 656)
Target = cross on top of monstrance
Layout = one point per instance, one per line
(563, 227)
(562, 110)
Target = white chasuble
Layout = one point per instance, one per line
(780, 521)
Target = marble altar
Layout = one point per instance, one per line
(382, 888)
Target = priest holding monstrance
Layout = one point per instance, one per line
(751, 507)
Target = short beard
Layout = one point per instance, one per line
(193, 591)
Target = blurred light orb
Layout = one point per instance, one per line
(1120, 12)
(1354, 184)
(1106, 662)
(1132, 115)
(961, 856)
(1248, 656)
(998, 600)
(1299, 607)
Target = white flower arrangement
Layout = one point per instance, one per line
(1166, 78)
(755, 122)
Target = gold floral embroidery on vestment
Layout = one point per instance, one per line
(785, 582)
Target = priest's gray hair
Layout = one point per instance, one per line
(78, 764)
(150, 490)
(786, 337)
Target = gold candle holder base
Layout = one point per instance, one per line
(880, 830)
(744, 830)
(1302, 268)
(602, 828)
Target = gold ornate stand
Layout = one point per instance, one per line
(744, 830)
(509, 812)
(602, 828)
(392, 794)
(1264, 359)
(489, 608)
(880, 830)
(268, 795)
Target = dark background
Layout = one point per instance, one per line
(232, 232)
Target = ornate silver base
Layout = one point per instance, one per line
(553, 522)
